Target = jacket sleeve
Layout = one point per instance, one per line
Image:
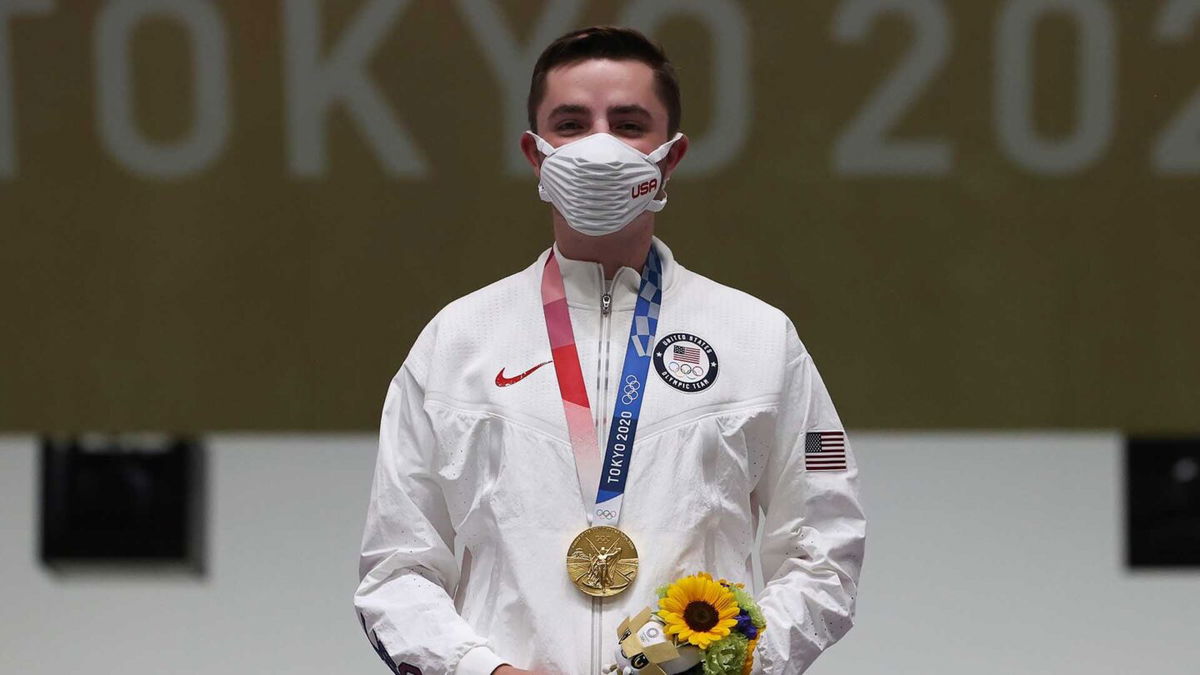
(407, 567)
(814, 530)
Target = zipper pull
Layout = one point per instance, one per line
(605, 303)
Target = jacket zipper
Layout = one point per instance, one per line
(597, 646)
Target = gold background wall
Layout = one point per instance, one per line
(1014, 243)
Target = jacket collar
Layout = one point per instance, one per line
(584, 280)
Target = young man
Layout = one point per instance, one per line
(511, 425)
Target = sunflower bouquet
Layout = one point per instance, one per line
(702, 627)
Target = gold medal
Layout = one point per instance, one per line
(602, 561)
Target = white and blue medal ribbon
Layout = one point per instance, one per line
(618, 452)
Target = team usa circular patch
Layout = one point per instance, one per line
(685, 362)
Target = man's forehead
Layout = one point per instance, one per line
(602, 85)
(610, 68)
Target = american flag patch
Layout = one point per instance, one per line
(686, 354)
(825, 451)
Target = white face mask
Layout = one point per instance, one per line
(599, 183)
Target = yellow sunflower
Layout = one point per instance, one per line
(698, 610)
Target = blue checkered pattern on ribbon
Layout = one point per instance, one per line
(651, 291)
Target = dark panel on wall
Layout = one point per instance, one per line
(122, 500)
(1163, 502)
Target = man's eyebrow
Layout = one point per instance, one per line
(628, 109)
(569, 109)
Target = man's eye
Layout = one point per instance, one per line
(568, 126)
(630, 127)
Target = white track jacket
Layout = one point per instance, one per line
(463, 460)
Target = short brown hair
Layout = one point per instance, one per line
(608, 42)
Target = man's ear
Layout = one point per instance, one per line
(532, 154)
(674, 155)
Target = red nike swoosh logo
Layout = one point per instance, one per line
(502, 381)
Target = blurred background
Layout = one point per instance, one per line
(224, 224)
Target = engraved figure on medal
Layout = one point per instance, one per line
(602, 561)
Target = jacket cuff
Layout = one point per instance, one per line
(479, 661)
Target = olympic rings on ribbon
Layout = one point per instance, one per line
(606, 514)
(630, 392)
